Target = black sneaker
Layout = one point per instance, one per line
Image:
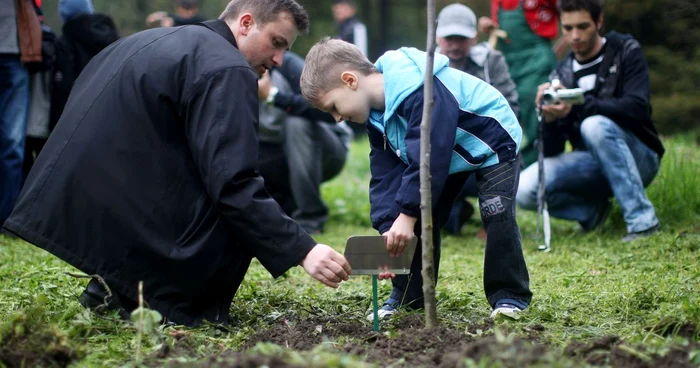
(597, 221)
(641, 234)
(96, 298)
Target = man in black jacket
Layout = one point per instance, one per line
(616, 147)
(151, 173)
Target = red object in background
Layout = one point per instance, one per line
(541, 15)
(38, 3)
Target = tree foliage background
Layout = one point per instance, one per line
(668, 30)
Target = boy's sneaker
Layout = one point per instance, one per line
(506, 310)
(385, 311)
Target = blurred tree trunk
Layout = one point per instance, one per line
(426, 198)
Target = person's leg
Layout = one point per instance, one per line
(334, 149)
(14, 107)
(505, 271)
(408, 289)
(462, 210)
(272, 164)
(304, 157)
(574, 185)
(32, 148)
(628, 166)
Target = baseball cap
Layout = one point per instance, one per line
(456, 20)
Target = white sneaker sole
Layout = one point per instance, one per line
(381, 313)
(512, 313)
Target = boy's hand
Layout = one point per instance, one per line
(326, 265)
(386, 274)
(400, 234)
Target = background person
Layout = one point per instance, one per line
(84, 34)
(300, 146)
(616, 147)
(531, 26)
(20, 44)
(186, 12)
(456, 38)
(351, 29)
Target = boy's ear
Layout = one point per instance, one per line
(349, 79)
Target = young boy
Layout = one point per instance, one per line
(473, 131)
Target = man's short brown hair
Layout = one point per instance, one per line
(324, 63)
(265, 11)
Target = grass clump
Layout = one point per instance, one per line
(27, 341)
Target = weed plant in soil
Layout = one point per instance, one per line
(598, 302)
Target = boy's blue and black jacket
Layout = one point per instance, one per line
(472, 127)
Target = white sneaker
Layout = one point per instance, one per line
(506, 310)
(385, 311)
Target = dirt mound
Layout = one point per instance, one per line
(26, 341)
(405, 341)
(306, 334)
(240, 360)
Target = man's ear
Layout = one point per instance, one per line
(600, 22)
(349, 79)
(245, 23)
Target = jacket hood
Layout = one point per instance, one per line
(92, 31)
(404, 72)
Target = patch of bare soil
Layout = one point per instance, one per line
(611, 351)
(26, 341)
(306, 334)
(405, 342)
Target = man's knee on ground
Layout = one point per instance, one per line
(594, 129)
(527, 189)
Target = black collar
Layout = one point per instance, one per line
(220, 27)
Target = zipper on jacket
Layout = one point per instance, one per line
(385, 141)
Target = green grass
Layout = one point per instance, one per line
(587, 287)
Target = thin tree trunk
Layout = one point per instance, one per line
(426, 198)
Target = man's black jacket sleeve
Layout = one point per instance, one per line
(221, 128)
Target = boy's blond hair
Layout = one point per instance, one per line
(324, 63)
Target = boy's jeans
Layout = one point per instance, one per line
(14, 107)
(505, 271)
(578, 184)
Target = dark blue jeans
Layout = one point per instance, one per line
(14, 107)
(505, 271)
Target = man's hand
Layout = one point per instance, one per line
(486, 25)
(159, 19)
(400, 234)
(326, 265)
(554, 111)
(264, 85)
